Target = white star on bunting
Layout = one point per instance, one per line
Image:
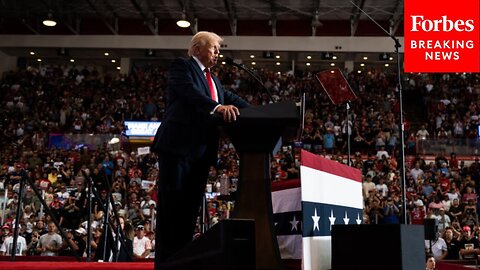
(332, 219)
(315, 218)
(358, 220)
(294, 223)
(346, 219)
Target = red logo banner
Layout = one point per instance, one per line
(442, 36)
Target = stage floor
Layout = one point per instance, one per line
(148, 265)
(65, 265)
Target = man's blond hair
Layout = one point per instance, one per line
(201, 38)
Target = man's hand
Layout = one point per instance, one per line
(229, 112)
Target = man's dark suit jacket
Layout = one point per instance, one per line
(187, 128)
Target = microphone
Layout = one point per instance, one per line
(252, 73)
(230, 62)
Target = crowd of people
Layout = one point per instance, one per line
(36, 103)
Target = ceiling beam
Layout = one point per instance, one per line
(232, 16)
(112, 28)
(315, 17)
(298, 11)
(110, 8)
(35, 31)
(397, 17)
(26, 18)
(355, 16)
(115, 17)
(153, 11)
(273, 17)
(145, 18)
(75, 29)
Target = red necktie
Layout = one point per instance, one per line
(213, 93)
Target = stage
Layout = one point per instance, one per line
(65, 263)
(68, 265)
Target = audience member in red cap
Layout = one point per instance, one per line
(469, 245)
(6, 247)
(417, 215)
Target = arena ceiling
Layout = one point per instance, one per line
(225, 17)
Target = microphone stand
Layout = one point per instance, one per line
(347, 129)
(17, 216)
(88, 180)
(252, 74)
(47, 209)
(120, 236)
(105, 224)
(402, 137)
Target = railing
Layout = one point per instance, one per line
(91, 141)
(459, 146)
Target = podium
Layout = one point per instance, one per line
(247, 240)
(254, 135)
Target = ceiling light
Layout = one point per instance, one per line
(32, 53)
(39, 60)
(277, 56)
(278, 63)
(334, 57)
(113, 61)
(391, 58)
(49, 21)
(365, 58)
(309, 57)
(106, 54)
(252, 56)
(386, 65)
(72, 60)
(332, 64)
(362, 64)
(308, 64)
(118, 68)
(254, 63)
(223, 63)
(183, 23)
(359, 71)
(221, 55)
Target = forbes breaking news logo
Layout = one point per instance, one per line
(442, 38)
(441, 49)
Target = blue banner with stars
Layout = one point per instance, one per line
(318, 218)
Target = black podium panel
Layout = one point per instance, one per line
(229, 245)
(431, 228)
(392, 247)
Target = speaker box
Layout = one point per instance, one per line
(431, 228)
(229, 245)
(392, 247)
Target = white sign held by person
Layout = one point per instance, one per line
(143, 150)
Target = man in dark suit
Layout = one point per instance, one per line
(187, 141)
